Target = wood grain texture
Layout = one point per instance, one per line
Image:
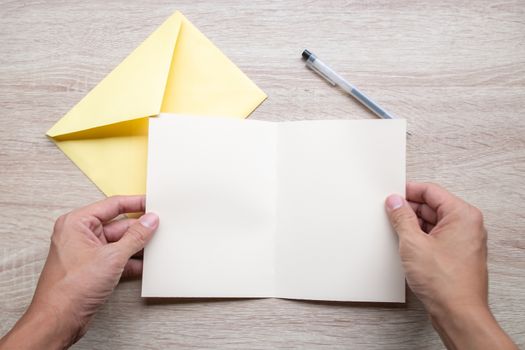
(454, 69)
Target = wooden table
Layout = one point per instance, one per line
(454, 69)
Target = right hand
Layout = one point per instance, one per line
(443, 248)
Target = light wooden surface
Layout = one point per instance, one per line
(454, 69)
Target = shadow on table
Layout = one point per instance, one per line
(169, 301)
(174, 301)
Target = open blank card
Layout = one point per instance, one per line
(264, 209)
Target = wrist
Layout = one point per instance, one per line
(62, 326)
(41, 327)
(459, 318)
(469, 327)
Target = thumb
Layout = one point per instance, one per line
(401, 216)
(138, 235)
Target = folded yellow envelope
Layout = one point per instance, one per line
(175, 70)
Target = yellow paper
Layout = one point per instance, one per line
(175, 70)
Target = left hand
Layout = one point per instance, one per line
(89, 253)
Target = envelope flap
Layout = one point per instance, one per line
(203, 81)
(134, 89)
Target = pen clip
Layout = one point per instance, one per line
(310, 65)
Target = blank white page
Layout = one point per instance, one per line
(260, 209)
(334, 241)
(212, 183)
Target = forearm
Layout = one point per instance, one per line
(470, 328)
(39, 328)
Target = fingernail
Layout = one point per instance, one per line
(149, 220)
(394, 201)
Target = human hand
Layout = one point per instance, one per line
(89, 253)
(443, 248)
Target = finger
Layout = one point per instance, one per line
(116, 229)
(111, 207)
(132, 269)
(137, 235)
(436, 197)
(402, 217)
(424, 212)
(425, 226)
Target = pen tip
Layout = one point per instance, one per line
(306, 54)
